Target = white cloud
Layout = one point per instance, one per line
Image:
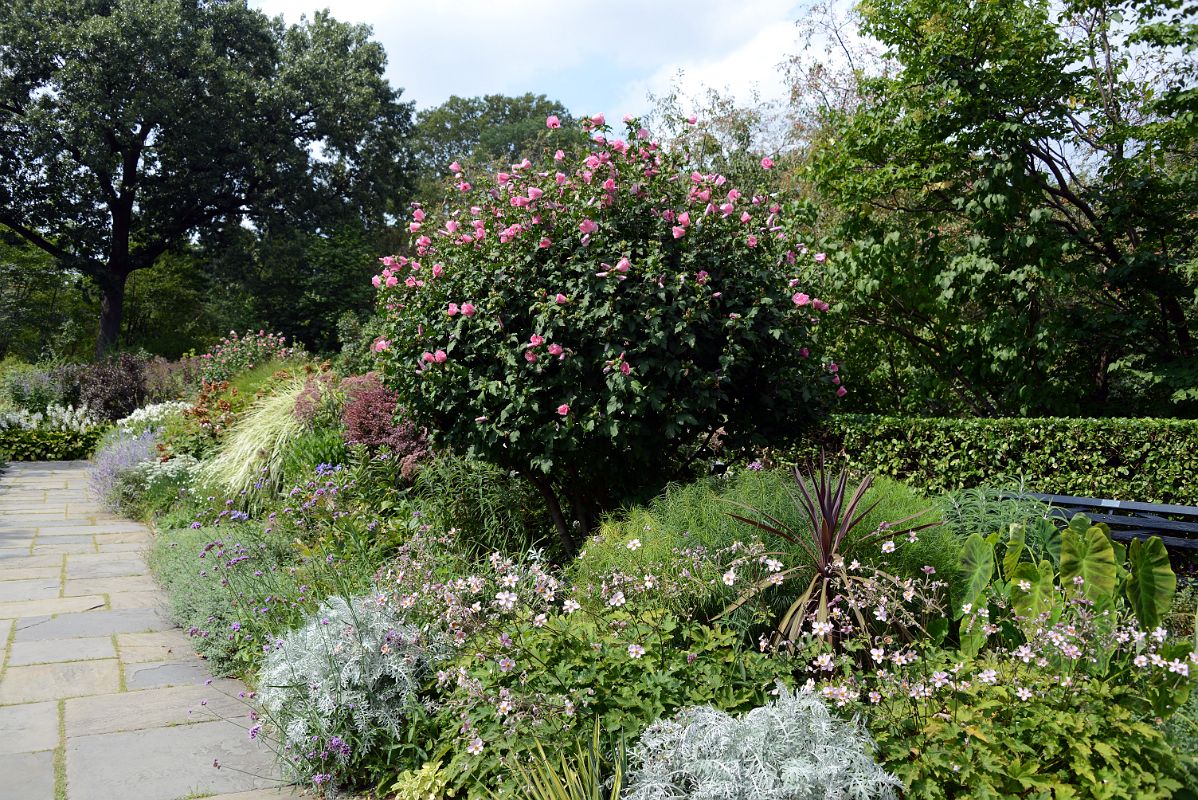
(592, 55)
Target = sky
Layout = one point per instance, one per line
(592, 56)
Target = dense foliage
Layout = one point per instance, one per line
(1147, 460)
(601, 308)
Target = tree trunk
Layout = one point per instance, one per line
(112, 307)
(545, 487)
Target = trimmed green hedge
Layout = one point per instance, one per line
(1149, 460)
(40, 445)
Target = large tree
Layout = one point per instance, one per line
(1016, 207)
(130, 127)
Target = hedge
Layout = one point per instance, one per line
(17, 444)
(1149, 460)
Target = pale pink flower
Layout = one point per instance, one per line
(678, 231)
(536, 340)
(530, 356)
(426, 357)
(635, 651)
(381, 345)
(692, 119)
(752, 241)
(503, 178)
(623, 265)
(534, 192)
(392, 281)
(555, 349)
(559, 155)
(452, 310)
(455, 168)
(767, 163)
(438, 270)
(377, 281)
(418, 215)
(821, 258)
(800, 299)
(468, 309)
(598, 119)
(440, 356)
(552, 121)
(587, 226)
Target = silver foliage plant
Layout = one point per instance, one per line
(789, 749)
(343, 683)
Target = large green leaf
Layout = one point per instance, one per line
(1015, 547)
(1032, 590)
(977, 567)
(1086, 553)
(1151, 586)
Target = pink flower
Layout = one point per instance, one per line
(377, 281)
(563, 410)
(679, 231)
(684, 218)
(598, 119)
(560, 299)
(427, 357)
(413, 227)
(438, 270)
(464, 187)
(800, 299)
(545, 242)
(804, 352)
(381, 345)
(752, 241)
(628, 118)
(468, 309)
(819, 305)
(418, 215)
(455, 168)
(536, 340)
(841, 392)
(453, 310)
(392, 281)
(530, 356)
(440, 356)
(388, 261)
(692, 119)
(555, 349)
(625, 368)
(821, 258)
(503, 178)
(559, 155)
(534, 192)
(587, 226)
(745, 217)
(560, 178)
(623, 265)
(767, 163)
(552, 121)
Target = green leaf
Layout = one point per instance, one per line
(1086, 554)
(1015, 546)
(977, 567)
(1152, 583)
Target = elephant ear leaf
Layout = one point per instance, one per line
(977, 567)
(1016, 537)
(1049, 537)
(1088, 563)
(1152, 583)
(1031, 589)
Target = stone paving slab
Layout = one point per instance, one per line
(83, 648)
(28, 776)
(156, 708)
(57, 681)
(93, 671)
(165, 763)
(28, 728)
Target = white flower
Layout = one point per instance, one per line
(988, 676)
(1023, 693)
(1160, 634)
(877, 653)
(616, 600)
(635, 544)
(635, 651)
(506, 600)
(504, 708)
(729, 577)
(539, 620)
(475, 747)
(1025, 586)
(773, 565)
(821, 628)
(1179, 667)
(888, 547)
(570, 606)
(509, 580)
(824, 662)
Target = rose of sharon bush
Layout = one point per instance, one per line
(588, 320)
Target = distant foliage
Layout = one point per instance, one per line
(238, 352)
(789, 749)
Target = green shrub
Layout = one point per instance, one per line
(490, 508)
(697, 515)
(1149, 460)
(17, 444)
(305, 452)
(1181, 730)
(1083, 741)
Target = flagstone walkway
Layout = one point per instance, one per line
(101, 697)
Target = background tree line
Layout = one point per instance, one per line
(1006, 189)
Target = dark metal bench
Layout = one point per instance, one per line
(1176, 525)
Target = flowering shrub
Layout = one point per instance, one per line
(54, 418)
(119, 455)
(600, 310)
(789, 749)
(370, 420)
(150, 486)
(342, 684)
(238, 352)
(151, 417)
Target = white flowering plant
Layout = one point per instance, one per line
(74, 419)
(151, 417)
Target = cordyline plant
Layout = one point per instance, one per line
(829, 540)
(591, 320)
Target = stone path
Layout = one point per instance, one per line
(101, 697)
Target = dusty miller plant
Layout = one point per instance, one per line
(789, 749)
(342, 684)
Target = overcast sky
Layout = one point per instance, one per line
(593, 56)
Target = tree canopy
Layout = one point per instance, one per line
(130, 127)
